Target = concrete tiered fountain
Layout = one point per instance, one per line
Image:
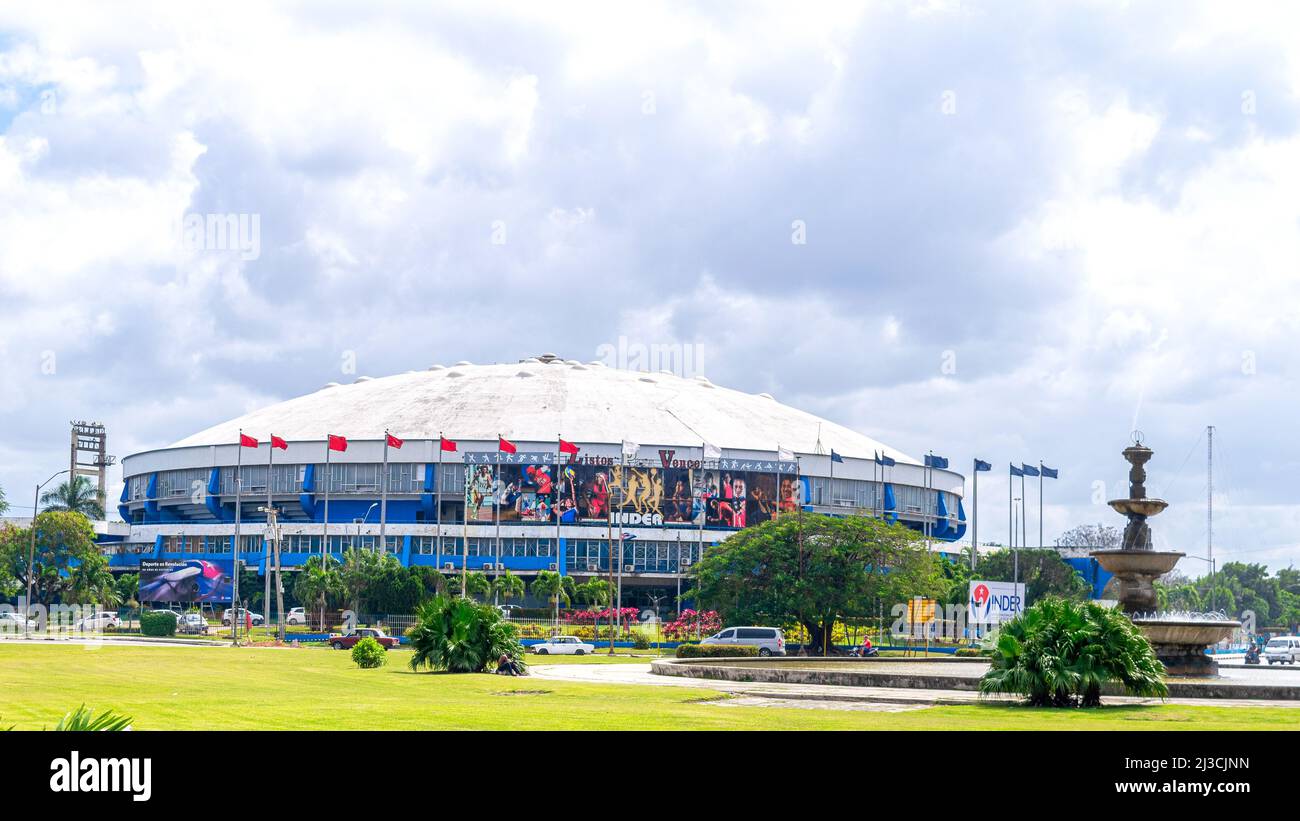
(1179, 639)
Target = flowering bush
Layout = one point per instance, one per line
(626, 616)
(690, 622)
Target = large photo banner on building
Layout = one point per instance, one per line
(188, 582)
(991, 603)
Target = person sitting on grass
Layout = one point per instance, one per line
(507, 666)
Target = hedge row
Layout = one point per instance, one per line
(158, 624)
(713, 651)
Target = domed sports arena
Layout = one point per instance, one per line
(545, 464)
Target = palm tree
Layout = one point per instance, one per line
(477, 584)
(508, 585)
(461, 636)
(317, 582)
(550, 584)
(92, 583)
(595, 592)
(77, 495)
(1059, 653)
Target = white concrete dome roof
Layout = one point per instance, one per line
(533, 401)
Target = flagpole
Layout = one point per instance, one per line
(975, 514)
(383, 500)
(496, 508)
(1024, 532)
(1011, 534)
(555, 511)
(325, 525)
(1040, 504)
(239, 486)
(437, 507)
(704, 514)
(618, 591)
(266, 538)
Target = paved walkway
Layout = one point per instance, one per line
(827, 695)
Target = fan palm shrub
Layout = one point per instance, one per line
(461, 636)
(1060, 653)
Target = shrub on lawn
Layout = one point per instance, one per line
(461, 636)
(1060, 653)
(158, 624)
(712, 651)
(640, 641)
(969, 652)
(369, 654)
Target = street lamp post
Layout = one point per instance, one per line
(31, 551)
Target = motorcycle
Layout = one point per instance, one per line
(1252, 654)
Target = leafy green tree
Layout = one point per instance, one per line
(816, 571)
(127, 586)
(360, 572)
(63, 540)
(461, 636)
(477, 584)
(4, 503)
(1043, 572)
(77, 495)
(318, 583)
(1060, 653)
(432, 583)
(92, 583)
(397, 589)
(508, 586)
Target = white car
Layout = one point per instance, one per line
(297, 615)
(563, 646)
(13, 622)
(1282, 650)
(243, 618)
(99, 621)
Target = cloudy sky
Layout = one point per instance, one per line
(1012, 231)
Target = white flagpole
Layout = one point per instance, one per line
(437, 507)
(266, 538)
(325, 525)
(496, 509)
(1040, 504)
(383, 500)
(239, 487)
(975, 513)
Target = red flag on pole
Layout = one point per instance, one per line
(393, 441)
(277, 442)
(568, 447)
(246, 441)
(506, 446)
(447, 444)
(337, 442)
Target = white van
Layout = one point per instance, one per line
(1283, 650)
(768, 640)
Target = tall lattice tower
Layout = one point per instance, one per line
(90, 454)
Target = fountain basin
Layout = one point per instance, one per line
(1180, 644)
(1138, 507)
(1134, 570)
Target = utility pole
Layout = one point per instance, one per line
(273, 536)
(1209, 506)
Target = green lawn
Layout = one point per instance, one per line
(226, 688)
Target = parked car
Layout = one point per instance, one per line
(99, 621)
(509, 610)
(1282, 650)
(257, 617)
(770, 641)
(192, 624)
(563, 646)
(13, 622)
(297, 615)
(349, 641)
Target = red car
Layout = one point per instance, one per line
(348, 642)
